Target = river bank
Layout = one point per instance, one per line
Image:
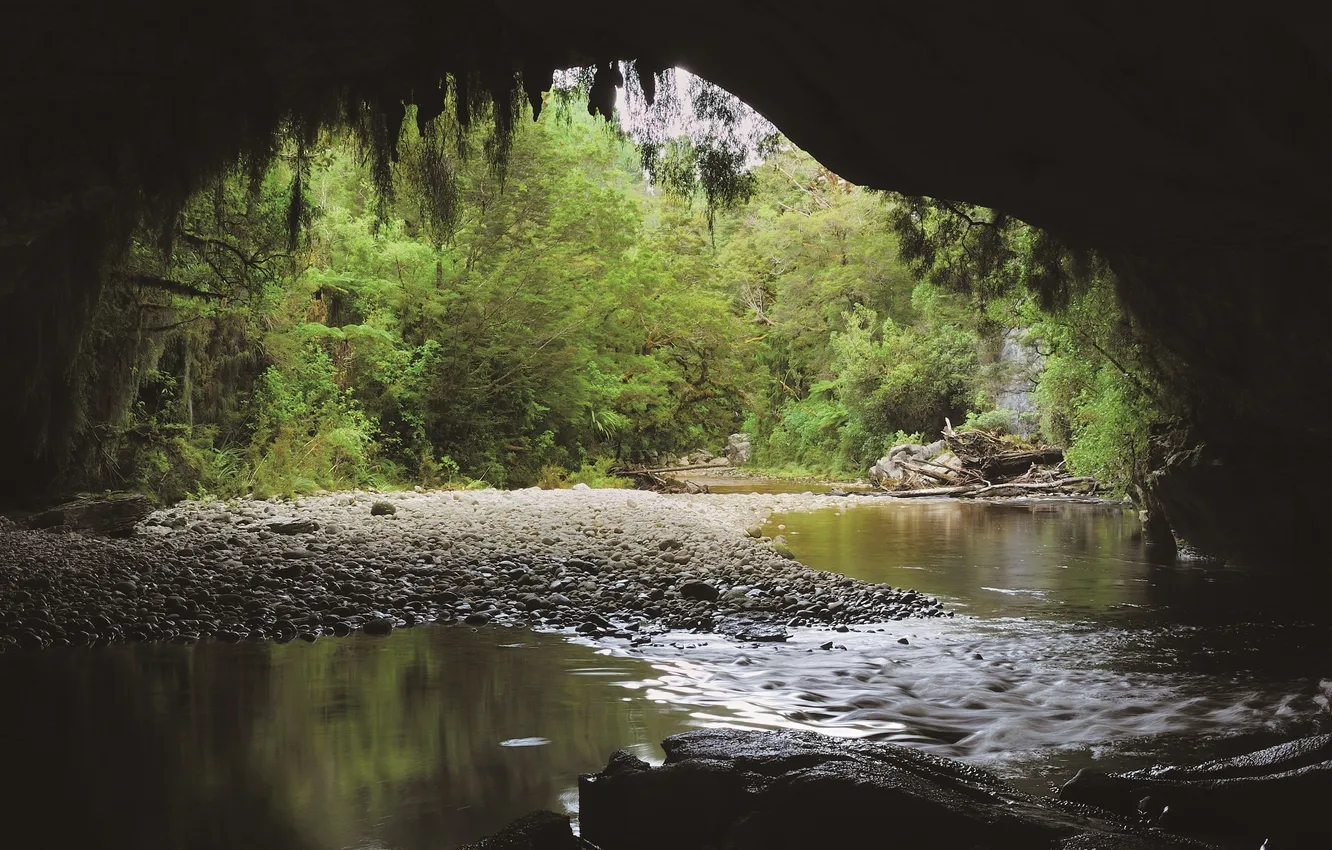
(617, 564)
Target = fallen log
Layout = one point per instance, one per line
(625, 470)
(993, 457)
(647, 480)
(1013, 464)
(928, 491)
(920, 469)
(1018, 489)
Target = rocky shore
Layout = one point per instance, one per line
(752, 790)
(615, 564)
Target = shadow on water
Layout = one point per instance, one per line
(349, 743)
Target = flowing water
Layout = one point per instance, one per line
(1067, 650)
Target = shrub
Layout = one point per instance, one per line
(597, 474)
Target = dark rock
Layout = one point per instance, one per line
(699, 590)
(1265, 794)
(904, 641)
(745, 630)
(584, 565)
(378, 627)
(295, 526)
(126, 587)
(797, 790)
(478, 618)
(112, 516)
(383, 509)
(541, 830)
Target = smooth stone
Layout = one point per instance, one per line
(377, 627)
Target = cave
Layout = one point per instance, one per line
(1186, 147)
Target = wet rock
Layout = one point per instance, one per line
(746, 630)
(377, 627)
(699, 590)
(1261, 795)
(112, 516)
(794, 790)
(457, 555)
(543, 830)
(477, 618)
(294, 526)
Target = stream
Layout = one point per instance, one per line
(1067, 650)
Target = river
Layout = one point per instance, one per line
(1067, 649)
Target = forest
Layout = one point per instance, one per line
(326, 320)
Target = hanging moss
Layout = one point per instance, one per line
(70, 198)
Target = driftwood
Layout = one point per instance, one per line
(930, 491)
(922, 468)
(996, 459)
(648, 479)
(988, 466)
(1021, 489)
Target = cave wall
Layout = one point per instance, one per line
(1188, 145)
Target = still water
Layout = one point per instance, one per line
(428, 739)
(1068, 650)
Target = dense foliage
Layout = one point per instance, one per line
(448, 322)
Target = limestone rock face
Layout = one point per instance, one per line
(794, 790)
(1021, 363)
(739, 449)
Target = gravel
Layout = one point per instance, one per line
(604, 563)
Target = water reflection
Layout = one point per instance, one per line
(1047, 559)
(349, 743)
(1072, 651)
